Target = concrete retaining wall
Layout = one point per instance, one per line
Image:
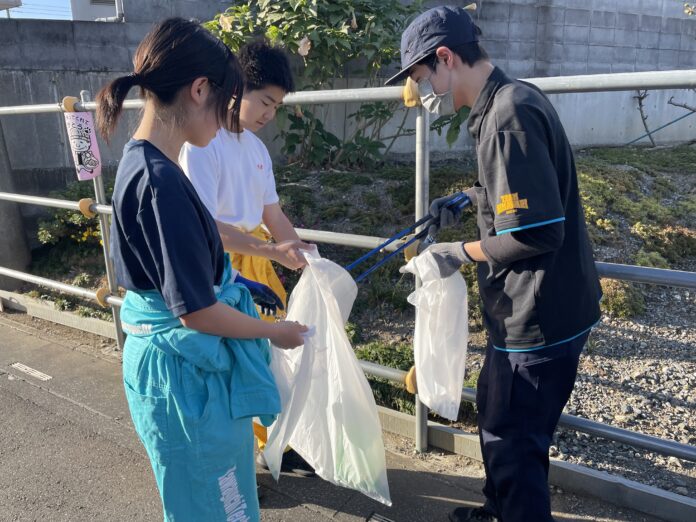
(42, 61)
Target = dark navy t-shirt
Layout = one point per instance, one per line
(162, 236)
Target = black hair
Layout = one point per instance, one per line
(170, 57)
(265, 65)
(470, 53)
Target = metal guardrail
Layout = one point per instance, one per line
(586, 83)
(679, 79)
(635, 274)
(46, 108)
(639, 440)
(644, 274)
(53, 202)
(61, 287)
(632, 438)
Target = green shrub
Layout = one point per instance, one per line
(298, 203)
(673, 243)
(644, 195)
(673, 159)
(327, 36)
(622, 299)
(353, 332)
(651, 259)
(387, 393)
(386, 286)
(70, 226)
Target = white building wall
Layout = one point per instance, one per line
(90, 10)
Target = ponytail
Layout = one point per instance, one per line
(171, 56)
(110, 103)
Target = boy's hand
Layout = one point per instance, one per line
(263, 296)
(287, 335)
(289, 253)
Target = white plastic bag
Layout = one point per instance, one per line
(329, 414)
(441, 336)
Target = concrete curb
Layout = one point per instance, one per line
(571, 477)
(46, 310)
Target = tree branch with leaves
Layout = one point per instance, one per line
(329, 40)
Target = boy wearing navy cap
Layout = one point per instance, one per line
(536, 271)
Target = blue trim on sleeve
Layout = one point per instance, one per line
(534, 348)
(517, 229)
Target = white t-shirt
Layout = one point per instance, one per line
(233, 176)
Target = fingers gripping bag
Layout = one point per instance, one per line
(329, 415)
(441, 335)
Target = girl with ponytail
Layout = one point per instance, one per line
(195, 362)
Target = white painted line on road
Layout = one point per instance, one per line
(31, 371)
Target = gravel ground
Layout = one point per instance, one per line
(639, 375)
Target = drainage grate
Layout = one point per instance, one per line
(376, 517)
(31, 371)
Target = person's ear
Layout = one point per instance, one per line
(445, 55)
(199, 90)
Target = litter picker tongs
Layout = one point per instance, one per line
(456, 204)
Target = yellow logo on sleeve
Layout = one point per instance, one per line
(509, 203)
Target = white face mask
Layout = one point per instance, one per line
(440, 104)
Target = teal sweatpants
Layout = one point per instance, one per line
(202, 458)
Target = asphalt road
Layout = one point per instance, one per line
(68, 452)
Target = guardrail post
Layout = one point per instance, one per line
(422, 202)
(100, 198)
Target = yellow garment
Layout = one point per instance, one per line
(260, 269)
(410, 93)
(261, 433)
(411, 250)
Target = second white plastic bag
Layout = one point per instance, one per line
(441, 336)
(329, 415)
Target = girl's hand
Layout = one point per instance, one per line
(287, 335)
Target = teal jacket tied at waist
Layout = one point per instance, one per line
(253, 391)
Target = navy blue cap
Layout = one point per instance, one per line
(447, 25)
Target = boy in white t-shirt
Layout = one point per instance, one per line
(233, 176)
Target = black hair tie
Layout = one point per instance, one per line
(135, 78)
